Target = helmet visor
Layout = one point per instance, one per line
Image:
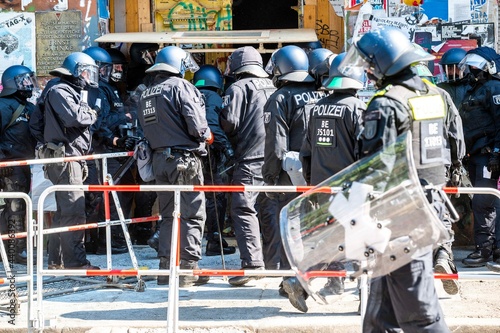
(472, 60)
(149, 56)
(189, 63)
(105, 71)
(26, 82)
(89, 72)
(228, 70)
(353, 64)
(271, 67)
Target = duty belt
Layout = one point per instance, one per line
(168, 151)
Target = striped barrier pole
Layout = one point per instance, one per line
(64, 159)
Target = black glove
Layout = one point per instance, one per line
(6, 171)
(494, 163)
(127, 142)
(229, 154)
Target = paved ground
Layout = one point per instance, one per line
(218, 307)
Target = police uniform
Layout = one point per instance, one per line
(114, 118)
(172, 116)
(67, 120)
(286, 115)
(216, 202)
(480, 112)
(242, 120)
(331, 144)
(16, 143)
(406, 298)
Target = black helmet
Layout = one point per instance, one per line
(319, 64)
(143, 53)
(102, 59)
(243, 60)
(119, 62)
(309, 46)
(18, 78)
(290, 63)
(383, 52)
(208, 76)
(338, 81)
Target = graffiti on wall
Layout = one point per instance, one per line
(328, 37)
(195, 15)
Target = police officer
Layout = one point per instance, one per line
(208, 79)
(480, 111)
(68, 118)
(406, 298)
(454, 83)
(242, 120)
(319, 65)
(16, 143)
(112, 136)
(330, 145)
(172, 115)
(142, 57)
(286, 115)
(454, 153)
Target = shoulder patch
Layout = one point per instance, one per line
(225, 100)
(267, 117)
(496, 99)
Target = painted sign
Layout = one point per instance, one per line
(58, 35)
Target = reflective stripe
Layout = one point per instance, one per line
(427, 107)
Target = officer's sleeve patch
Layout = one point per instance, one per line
(496, 99)
(371, 124)
(267, 117)
(225, 100)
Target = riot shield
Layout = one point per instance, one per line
(377, 217)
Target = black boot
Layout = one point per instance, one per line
(479, 257)
(154, 240)
(164, 264)
(213, 246)
(186, 281)
(494, 265)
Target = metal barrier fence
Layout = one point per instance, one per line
(11, 275)
(174, 272)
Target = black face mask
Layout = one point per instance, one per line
(475, 71)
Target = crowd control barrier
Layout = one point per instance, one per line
(12, 278)
(174, 271)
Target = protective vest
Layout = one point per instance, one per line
(428, 113)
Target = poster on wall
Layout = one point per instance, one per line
(17, 40)
(483, 33)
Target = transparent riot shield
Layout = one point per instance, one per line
(377, 217)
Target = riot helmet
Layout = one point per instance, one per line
(174, 60)
(208, 76)
(144, 53)
(319, 64)
(449, 63)
(20, 79)
(102, 59)
(245, 60)
(338, 81)
(80, 66)
(290, 63)
(479, 62)
(119, 62)
(308, 47)
(383, 52)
